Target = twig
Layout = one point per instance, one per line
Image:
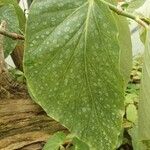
(140, 20)
(11, 35)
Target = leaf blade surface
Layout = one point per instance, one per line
(74, 54)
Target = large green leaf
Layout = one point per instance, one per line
(144, 103)
(72, 68)
(8, 13)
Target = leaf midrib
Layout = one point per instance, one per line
(91, 2)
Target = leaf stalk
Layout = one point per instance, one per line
(140, 20)
(11, 35)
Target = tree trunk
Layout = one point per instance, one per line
(24, 125)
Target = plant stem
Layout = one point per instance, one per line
(140, 20)
(11, 35)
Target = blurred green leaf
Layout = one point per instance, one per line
(134, 4)
(134, 136)
(8, 13)
(29, 2)
(19, 12)
(137, 144)
(55, 141)
(125, 47)
(144, 103)
(131, 113)
(79, 145)
(131, 98)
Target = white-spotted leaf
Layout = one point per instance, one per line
(8, 13)
(72, 68)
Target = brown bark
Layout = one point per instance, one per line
(12, 35)
(17, 56)
(24, 125)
